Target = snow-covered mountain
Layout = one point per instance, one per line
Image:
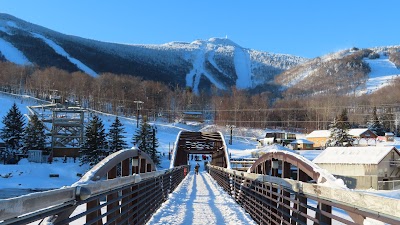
(202, 64)
(199, 65)
(356, 71)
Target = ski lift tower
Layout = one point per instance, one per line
(67, 131)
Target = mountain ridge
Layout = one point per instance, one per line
(199, 64)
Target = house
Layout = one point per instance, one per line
(302, 144)
(389, 137)
(319, 138)
(192, 116)
(283, 138)
(362, 167)
(361, 136)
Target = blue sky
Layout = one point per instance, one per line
(305, 28)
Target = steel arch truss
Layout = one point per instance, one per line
(209, 143)
(284, 164)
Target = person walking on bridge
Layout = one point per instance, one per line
(196, 168)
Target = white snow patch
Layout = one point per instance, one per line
(62, 52)
(12, 54)
(243, 68)
(382, 72)
(12, 24)
(4, 30)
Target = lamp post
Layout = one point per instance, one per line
(230, 126)
(138, 107)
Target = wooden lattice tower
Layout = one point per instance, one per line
(67, 132)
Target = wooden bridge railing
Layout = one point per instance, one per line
(273, 200)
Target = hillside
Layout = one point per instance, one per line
(351, 71)
(218, 61)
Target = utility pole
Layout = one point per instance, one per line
(138, 107)
(230, 126)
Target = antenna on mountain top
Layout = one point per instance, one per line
(226, 36)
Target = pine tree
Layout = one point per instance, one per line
(116, 139)
(145, 139)
(12, 131)
(34, 135)
(374, 125)
(343, 121)
(339, 131)
(95, 144)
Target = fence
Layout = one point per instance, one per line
(273, 200)
(389, 185)
(131, 200)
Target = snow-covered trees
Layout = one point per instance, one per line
(115, 136)
(145, 139)
(12, 132)
(339, 131)
(95, 144)
(34, 135)
(375, 125)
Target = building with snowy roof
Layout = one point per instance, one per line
(363, 167)
(361, 136)
(319, 138)
(302, 144)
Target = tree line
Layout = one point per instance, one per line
(20, 137)
(117, 94)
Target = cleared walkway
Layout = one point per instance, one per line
(200, 200)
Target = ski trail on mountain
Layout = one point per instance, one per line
(12, 53)
(212, 61)
(62, 52)
(199, 200)
(194, 76)
(243, 68)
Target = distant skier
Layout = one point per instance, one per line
(196, 168)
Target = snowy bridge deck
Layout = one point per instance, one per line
(200, 200)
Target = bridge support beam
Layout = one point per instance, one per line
(110, 206)
(321, 217)
(125, 200)
(285, 202)
(94, 216)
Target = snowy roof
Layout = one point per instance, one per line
(326, 133)
(357, 132)
(301, 141)
(353, 155)
(319, 133)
